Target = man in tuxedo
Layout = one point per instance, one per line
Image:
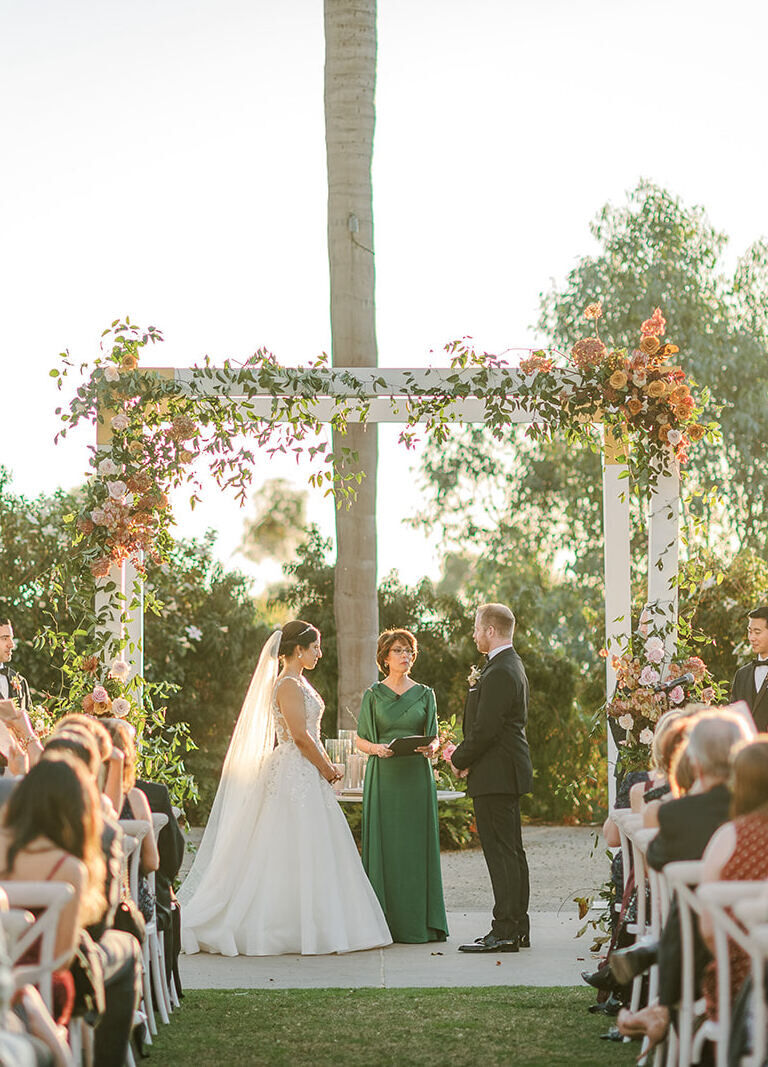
(495, 754)
(750, 683)
(12, 685)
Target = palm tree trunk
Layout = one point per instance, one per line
(350, 80)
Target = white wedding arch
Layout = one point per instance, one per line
(385, 395)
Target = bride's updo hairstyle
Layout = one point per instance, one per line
(297, 634)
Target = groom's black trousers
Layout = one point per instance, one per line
(497, 816)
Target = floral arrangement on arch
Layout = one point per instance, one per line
(636, 706)
(106, 698)
(639, 393)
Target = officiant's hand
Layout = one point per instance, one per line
(382, 751)
(430, 750)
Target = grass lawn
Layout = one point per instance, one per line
(340, 1027)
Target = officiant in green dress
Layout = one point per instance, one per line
(401, 839)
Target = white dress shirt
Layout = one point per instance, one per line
(501, 648)
(760, 673)
(4, 686)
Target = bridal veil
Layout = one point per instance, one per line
(252, 741)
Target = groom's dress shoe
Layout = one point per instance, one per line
(491, 943)
(627, 963)
(524, 940)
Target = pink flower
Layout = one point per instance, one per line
(108, 468)
(626, 722)
(677, 695)
(656, 655)
(648, 676)
(708, 695)
(119, 669)
(111, 373)
(99, 517)
(674, 437)
(120, 707)
(117, 490)
(655, 326)
(448, 751)
(100, 695)
(654, 644)
(645, 738)
(120, 422)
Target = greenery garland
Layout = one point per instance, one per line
(154, 428)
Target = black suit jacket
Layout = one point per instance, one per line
(495, 747)
(687, 824)
(170, 845)
(743, 688)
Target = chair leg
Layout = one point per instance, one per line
(158, 978)
(155, 954)
(147, 993)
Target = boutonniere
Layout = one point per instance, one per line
(474, 675)
(15, 683)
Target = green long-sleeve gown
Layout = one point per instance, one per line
(401, 840)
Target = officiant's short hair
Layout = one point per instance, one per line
(387, 640)
(499, 617)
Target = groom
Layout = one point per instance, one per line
(495, 753)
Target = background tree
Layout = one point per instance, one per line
(350, 80)
(279, 524)
(526, 498)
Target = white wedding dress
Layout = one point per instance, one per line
(287, 878)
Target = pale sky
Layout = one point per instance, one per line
(166, 160)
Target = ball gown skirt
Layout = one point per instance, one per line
(297, 884)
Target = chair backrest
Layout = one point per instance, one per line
(136, 829)
(15, 923)
(159, 820)
(717, 897)
(47, 900)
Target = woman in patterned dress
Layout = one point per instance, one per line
(738, 851)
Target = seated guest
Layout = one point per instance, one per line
(639, 791)
(670, 742)
(28, 1034)
(686, 825)
(170, 847)
(119, 952)
(738, 851)
(51, 829)
(110, 778)
(136, 806)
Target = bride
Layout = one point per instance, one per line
(277, 870)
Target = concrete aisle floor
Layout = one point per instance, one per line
(555, 959)
(563, 862)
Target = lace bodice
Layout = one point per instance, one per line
(314, 706)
